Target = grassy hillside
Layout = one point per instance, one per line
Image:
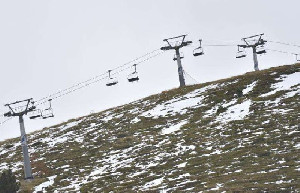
(236, 135)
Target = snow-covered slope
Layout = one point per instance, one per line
(237, 135)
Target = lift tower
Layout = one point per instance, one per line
(20, 111)
(176, 46)
(257, 44)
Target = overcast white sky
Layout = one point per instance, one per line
(50, 45)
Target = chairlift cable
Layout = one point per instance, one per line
(96, 77)
(5, 121)
(190, 77)
(283, 43)
(284, 52)
(98, 80)
(149, 53)
(81, 84)
(220, 45)
(140, 62)
(78, 84)
(2, 114)
(220, 41)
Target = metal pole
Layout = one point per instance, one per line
(255, 58)
(180, 70)
(27, 166)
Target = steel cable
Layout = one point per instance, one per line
(284, 52)
(99, 79)
(5, 121)
(94, 78)
(186, 73)
(283, 43)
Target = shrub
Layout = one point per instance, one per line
(8, 183)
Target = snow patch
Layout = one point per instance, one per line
(42, 186)
(218, 186)
(236, 112)
(153, 183)
(297, 146)
(229, 103)
(3, 166)
(249, 88)
(111, 116)
(173, 106)
(182, 165)
(180, 104)
(135, 120)
(287, 81)
(173, 128)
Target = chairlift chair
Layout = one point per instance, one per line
(198, 51)
(133, 76)
(297, 59)
(111, 81)
(260, 50)
(36, 114)
(241, 53)
(181, 56)
(48, 112)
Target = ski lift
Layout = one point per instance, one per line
(198, 51)
(181, 56)
(36, 114)
(133, 76)
(47, 113)
(260, 50)
(111, 81)
(297, 59)
(241, 53)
